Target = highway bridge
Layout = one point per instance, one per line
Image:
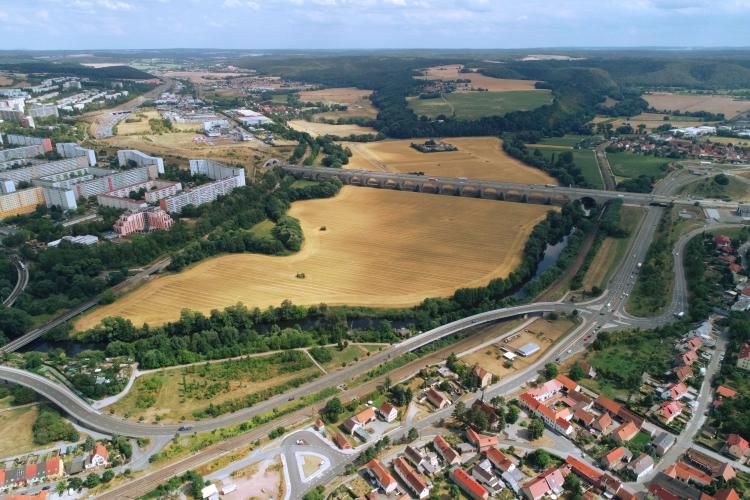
(544, 194)
(21, 282)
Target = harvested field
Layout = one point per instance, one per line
(451, 72)
(381, 248)
(191, 145)
(203, 76)
(16, 423)
(317, 129)
(476, 158)
(652, 120)
(357, 102)
(542, 332)
(667, 101)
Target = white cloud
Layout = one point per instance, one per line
(115, 5)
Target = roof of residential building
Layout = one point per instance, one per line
(469, 483)
(744, 351)
(676, 391)
(583, 469)
(665, 487)
(384, 477)
(30, 471)
(408, 474)
(739, 441)
(101, 451)
(685, 472)
(436, 397)
(641, 463)
(626, 431)
(671, 409)
(567, 382)
(664, 440)
(446, 450)
(387, 408)
(481, 440)
(499, 459)
(414, 455)
(584, 416)
(608, 404)
(713, 466)
(726, 494)
(725, 392)
(617, 454)
(486, 409)
(683, 372)
(480, 372)
(604, 420)
(341, 441)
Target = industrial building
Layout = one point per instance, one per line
(128, 157)
(227, 179)
(249, 118)
(73, 150)
(215, 128)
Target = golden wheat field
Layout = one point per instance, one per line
(379, 248)
(478, 80)
(357, 102)
(316, 129)
(476, 158)
(667, 101)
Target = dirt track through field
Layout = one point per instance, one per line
(380, 248)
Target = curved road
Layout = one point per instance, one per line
(21, 282)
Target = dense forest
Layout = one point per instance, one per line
(68, 69)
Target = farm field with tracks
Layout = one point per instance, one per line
(379, 248)
(357, 102)
(667, 101)
(476, 158)
(316, 129)
(473, 105)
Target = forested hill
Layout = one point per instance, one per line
(55, 69)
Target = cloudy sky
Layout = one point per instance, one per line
(331, 24)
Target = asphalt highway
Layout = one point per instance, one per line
(21, 282)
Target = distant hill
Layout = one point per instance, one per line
(106, 73)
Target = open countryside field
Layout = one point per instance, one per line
(186, 145)
(476, 158)
(667, 101)
(737, 189)
(16, 424)
(473, 105)
(171, 394)
(583, 158)
(357, 102)
(380, 248)
(316, 129)
(478, 80)
(632, 165)
(203, 76)
(651, 120)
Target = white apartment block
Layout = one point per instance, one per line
(124, 156)
(73, 150)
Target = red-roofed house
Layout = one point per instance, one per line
(388, 412)
(99, 457)
(380, 476)
(723, 243)
(567, 382)
(584, 417)
(54, 468)
(546, 390)
(616, 458)
(725, 392)
(414, 481)
(737, 446)
(670, 410)
(549, 482)
(694, 343)
(626, 432)
(437, 399)
(485, 377)
(735, 268)
(688, 358)
(603, 422)
(675, 391)
(30, 474)
(608, 405)
(726, 494)
(341, 441)
(42, 495)
(687, 473)
(481, 441)
(359, 420)
(446, 451)
(584, 470)
(500, 460)
(682, 373)
(468, 484)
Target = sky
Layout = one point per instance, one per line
(340, 24)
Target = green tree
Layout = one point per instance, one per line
(33, 361)
(413, 434)
(573, 486)
(511, 416)
(92, 480)
(107, 476)
(536, 428)
(315, 494)
(550, 370)
(332, 410)
(576, 372)
(539, 458)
